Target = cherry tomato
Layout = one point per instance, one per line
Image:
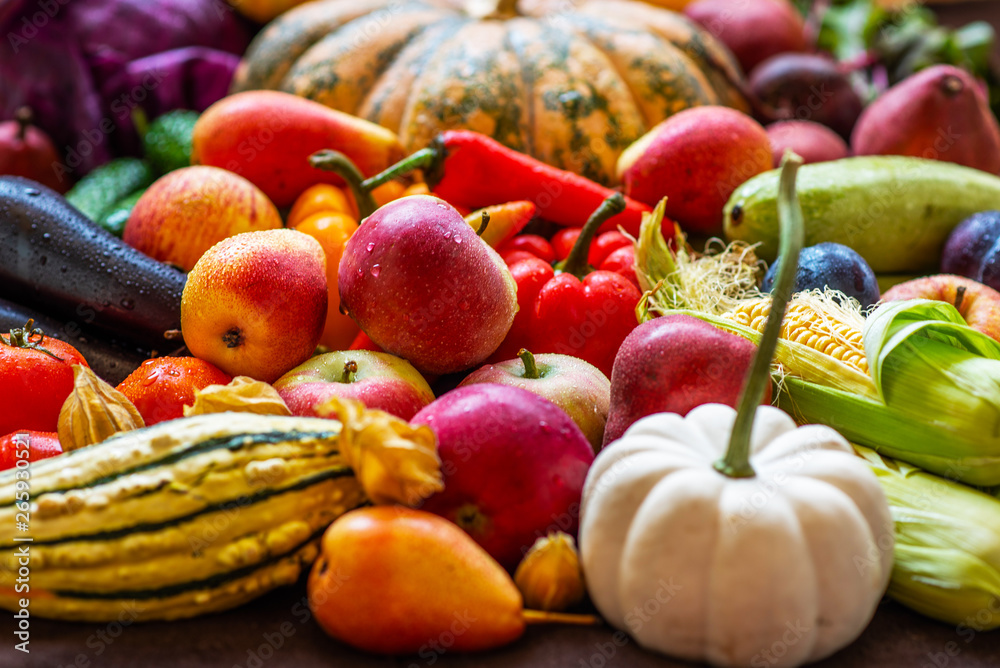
(28, 445)
(36, 376)
(161, 387)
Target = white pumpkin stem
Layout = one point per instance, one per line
(736, 462)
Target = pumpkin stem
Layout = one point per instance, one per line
(576, 262)
(429, 159)
(736, 462)
(530, 368)
(341, 165)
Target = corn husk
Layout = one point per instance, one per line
(938, 403)
(947, 548)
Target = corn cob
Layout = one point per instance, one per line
(947, 549)
(810, 326)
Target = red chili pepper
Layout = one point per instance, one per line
(571, 309)
(473, 170)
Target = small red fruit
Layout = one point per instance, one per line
(161, 387)
(27, 445)
(27, 151)
(36, 376)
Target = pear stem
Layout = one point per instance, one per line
(341, 165)
(530, 369)
(542, 617)
(736, 462)
(576, 262)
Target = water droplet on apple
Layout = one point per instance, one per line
(370, 246)
(458, 240)
(447, 235)
(376, 270)
(127, 304)
(545, 426)
(361, 272)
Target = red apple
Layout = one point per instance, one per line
(979, 304)
(514, 465)
(672, 365)
(572, 384)
(378, 380)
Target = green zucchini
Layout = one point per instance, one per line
(897, 212)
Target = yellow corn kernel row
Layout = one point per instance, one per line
(807, 326)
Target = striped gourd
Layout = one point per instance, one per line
(183, 518)
(572, 84)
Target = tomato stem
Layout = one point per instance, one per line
(21, 338)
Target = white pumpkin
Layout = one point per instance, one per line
(778, 569)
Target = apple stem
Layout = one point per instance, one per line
(23, 118)
(736, 462)
(959, 297)
(429, 159)
(21, 338)
(350, 368)
(484, 224)
(543, 617)
(341, 165)
(576, 262)
(530, 369)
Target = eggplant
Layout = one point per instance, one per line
(58, 261)
(110, 359)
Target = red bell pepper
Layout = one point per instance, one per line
(572, 309)
(472, 170)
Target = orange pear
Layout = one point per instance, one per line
(393, 580)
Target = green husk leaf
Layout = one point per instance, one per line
(947, 548)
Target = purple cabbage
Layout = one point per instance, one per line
(72, 61)
(188, 78)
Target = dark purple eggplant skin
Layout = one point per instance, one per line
(56, 260)
(110, 359)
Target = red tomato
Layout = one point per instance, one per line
(36, 376)
(161, 387)
(27, 444)
(622, 261)
(531, 243)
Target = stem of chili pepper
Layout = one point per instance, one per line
(341, 165)
(530, 369)
(576, 262)
(429, 159)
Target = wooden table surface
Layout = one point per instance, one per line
(275, 631)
